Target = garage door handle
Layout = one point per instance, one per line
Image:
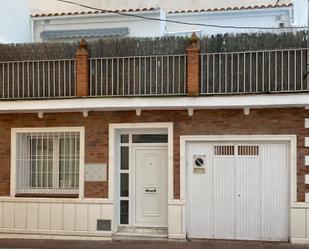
(238, 195)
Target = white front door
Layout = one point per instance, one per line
(150, 190)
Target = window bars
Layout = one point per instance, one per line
(47, 163)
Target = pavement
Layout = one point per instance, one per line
(145, 244)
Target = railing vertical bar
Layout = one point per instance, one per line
(28, 79)
(8, 80)
(64, 79)
(185, 74)
(70, 79)
(289, 70)
(307, 69)
(139, 75)
(269, 74)
(54, 77)
(106, 77)
(207, 74)
(18, 79)
(263, 71)
(134, 76)
(59, 78)
(101, 76)
(145, 73)
(13, 80)
(232, 73)
(123, 77)
(150, 75)
(23, 79)
(219, 65)
(173, 74)
(213, 72)
(48, 78)
(162, 76)
(202, 73)
(3, 85)
(282, 71)
(276, 68)
(129, 77)
(33, 80)
(244, 83)
(90, 77)
(112, 76)
(43, 64)
(238, 72)
(118, 77)
(178, 75)
(168, 75)
(156, 87)
(295, 69)
(225, 75)
(96, 77)
(39, 81)
(250, 72)
(256, 71)
(301, 71)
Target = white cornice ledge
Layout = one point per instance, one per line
(156, 103)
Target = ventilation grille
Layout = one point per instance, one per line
(104, 225)
(224, 150)
(248, 150)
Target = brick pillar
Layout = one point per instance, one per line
(82, 70)
(193, 67)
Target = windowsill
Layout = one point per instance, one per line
(48, 195)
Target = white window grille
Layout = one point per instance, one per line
(47, 162)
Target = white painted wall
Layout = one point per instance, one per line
(254, 18)
(14, 21)
(137, 27)
(145, 28)
(62, 217)
(300, 12)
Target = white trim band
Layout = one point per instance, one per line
(157, 103)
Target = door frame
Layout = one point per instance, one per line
(133, 185)
(113, 146)
(290, 139)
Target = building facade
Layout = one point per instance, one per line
(181, 146)
(77, 22)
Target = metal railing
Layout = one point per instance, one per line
(37, 79)
(138, 76)
(255, 72)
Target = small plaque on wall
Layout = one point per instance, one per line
(95, 172)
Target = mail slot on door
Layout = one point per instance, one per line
(150, 190)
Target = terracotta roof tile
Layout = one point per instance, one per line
(169, 12)
(234, 8)
(92, 12)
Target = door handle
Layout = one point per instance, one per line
(150, 190)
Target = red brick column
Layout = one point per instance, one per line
(193, 67)
(82, 70)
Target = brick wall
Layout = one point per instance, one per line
(206, 122)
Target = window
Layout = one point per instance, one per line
(47, 163)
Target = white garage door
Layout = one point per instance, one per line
(237, 191)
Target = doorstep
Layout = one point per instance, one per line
(141, 233)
